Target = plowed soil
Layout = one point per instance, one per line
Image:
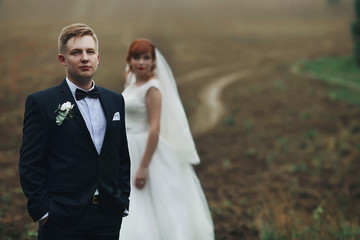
(274, 145)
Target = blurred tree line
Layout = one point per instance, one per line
(355, 29)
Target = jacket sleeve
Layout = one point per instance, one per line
(124, 179)
(33, 158)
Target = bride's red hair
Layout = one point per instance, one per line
(137, 47)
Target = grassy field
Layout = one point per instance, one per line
(290, 169)
(342, 73)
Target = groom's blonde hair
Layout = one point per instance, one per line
(75, 30)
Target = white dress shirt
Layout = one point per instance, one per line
(93, 115)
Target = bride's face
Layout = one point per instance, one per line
(141, 64)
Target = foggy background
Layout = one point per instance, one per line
(253, 120)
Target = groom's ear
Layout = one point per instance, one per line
(62, 59)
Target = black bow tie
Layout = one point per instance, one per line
(80, 94)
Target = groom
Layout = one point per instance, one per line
(74, 161)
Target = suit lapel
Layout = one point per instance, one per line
(66, 95)
(105, 104)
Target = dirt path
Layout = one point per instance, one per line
(211, 107)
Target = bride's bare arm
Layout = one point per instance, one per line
(153, 105)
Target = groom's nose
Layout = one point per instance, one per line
(84, 57)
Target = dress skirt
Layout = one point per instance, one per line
(172, 205)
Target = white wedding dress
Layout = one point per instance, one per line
(172, 205)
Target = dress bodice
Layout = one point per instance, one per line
(136, 115)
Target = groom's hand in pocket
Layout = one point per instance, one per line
(43, 221)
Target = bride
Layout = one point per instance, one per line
(166, 201)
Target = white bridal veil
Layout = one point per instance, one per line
(174, 127)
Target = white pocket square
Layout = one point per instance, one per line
(116, 116)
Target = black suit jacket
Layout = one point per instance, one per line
(59, 166)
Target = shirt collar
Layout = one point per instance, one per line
(73, 87)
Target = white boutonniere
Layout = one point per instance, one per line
(64, 112)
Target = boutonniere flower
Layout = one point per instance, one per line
(64, 112)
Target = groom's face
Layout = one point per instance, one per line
(80, 59)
